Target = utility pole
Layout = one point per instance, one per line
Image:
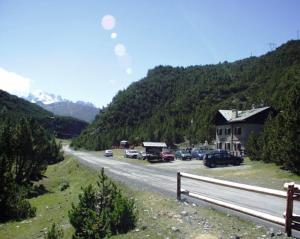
(297, 34)
(272, 46)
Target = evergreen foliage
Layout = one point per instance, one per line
(55, 232)
(13, 107)
(25, 151)
(102, 211)
(280, 140)
(162, 106)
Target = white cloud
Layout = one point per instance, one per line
(14, 83)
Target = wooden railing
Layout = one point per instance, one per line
(289, 220)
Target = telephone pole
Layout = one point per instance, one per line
(272, 46)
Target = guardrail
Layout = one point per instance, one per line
(289, 220)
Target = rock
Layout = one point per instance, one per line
(175, 229)
(184, 213)
(144, 227)
(279, 233)
(271, 232)
(185, 203)
(137, 230)
(235, 237)
(194, 205)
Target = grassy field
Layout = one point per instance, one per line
(252, 172)
(159, 216)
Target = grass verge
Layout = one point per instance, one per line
(159, 216)
(252, 172)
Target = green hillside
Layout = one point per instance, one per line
(162, 105)
(13, 107)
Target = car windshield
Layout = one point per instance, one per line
(184, 152)
(167, 152)
(133, 151)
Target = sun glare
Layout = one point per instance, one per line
(108, 22)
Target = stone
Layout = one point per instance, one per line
(144, 227)
(175, 229)
(184, 213)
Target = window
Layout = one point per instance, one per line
(219, 145)
(237, 130)
(219, 131)
(227, 146)
(227, 131)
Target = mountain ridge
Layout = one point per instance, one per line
(162, 105)
(82, 110)
(13, 107)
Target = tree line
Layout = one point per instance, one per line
(26, 149)
(279, 142)
(177, 104)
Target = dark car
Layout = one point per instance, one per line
(183, 155)
(167, 155)
(199, 153)
(221, 157)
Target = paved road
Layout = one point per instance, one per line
(163, 179)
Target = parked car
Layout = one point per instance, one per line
(142, 155)
(108, 153)
(167, 155)
(183, 155)
(131, 153)
(199, 153)
(221, 157)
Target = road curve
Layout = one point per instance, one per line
(164, 180)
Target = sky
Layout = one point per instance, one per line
(89, 50)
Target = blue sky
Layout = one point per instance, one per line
(61, 47)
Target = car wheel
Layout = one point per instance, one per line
(212, 165)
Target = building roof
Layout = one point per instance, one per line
(154, 144)
(241, 115)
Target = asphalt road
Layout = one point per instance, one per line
(162, 178)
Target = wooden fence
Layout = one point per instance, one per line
(289, 220)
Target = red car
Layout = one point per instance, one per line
(167, 155)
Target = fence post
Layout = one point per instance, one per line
(178, 186)
(289, 209)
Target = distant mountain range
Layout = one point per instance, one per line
(59, 106)
(13, 108)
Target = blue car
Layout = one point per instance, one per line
(199, 153)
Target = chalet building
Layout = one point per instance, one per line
(233, 127)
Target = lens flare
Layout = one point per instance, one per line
(120, 50)
(108, 22)
(113, 35)
(129, 71)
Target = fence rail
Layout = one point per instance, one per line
(289, 221)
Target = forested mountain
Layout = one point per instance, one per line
(176, 103)
(13, 107)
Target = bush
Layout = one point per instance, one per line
(64, 185)
(54, 233)
(13, 204)
(102, 211)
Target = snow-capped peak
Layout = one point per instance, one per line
(44, 97)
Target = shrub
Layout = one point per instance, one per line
(64, 185)
(102, 211)
(54, 233)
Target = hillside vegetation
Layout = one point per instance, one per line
(173, 104)
(13, 107)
